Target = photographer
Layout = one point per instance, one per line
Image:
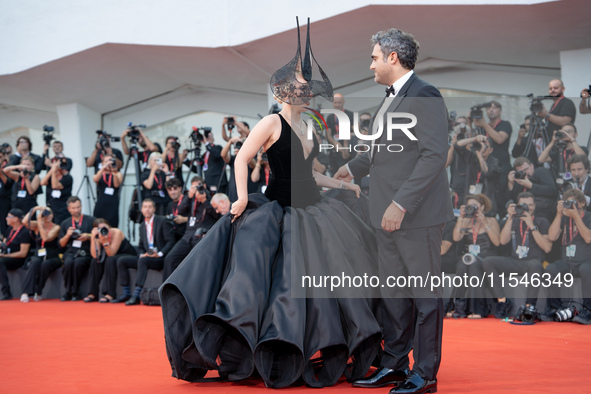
(26, 184)
(103, 147)
(578, 165)
(483, 171)
(201, 216)
(153, 181)
(24, 146)
(5, 191)
(229, 160)
(563, 110)
(108, 183)
(214, 167)
(107, 245)
(173, 159)
(477, 237)
(499, 131)
(537, 144)
(15, 248)
(585, 104)
(136, 134)
(575, 227)
(230, 122)
(45, 257)
(528, 235)
(457, 166)
(58, 188)
(58, 151)
(221, 203)
(261, 174)
(539, 181)
(174, 188)
(75, 239)
(562, 146)
(156, 240)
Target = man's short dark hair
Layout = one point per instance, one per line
(206, 133)
(72, 199)
(497, 104)
(247, 125)
(573, 126)
(575, 194)
(150, 201)
(521, 161)
(24, 137)
(525, 195)
(403, 43)
(197, 179)
(173, 182)
(58, 142)
(578, 159)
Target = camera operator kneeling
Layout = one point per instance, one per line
(156, 240)
(574, 224)
(528, 235)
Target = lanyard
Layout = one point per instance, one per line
(267, 174)
(170, 162)
(13, 234)
(474, 233)
(571, 233)
(175, 210)
(158, 183)
(79, 224)
(110, 179)
(525, 233)
(46, 229)
(478, 177)
(555, 104)
(23, 183)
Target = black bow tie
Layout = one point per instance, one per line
(390, 91)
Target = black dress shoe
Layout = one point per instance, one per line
(123, 298)
(76, 297)
(133, 301)
(66, 297)
(382, 377)
(414, 384)
(6, 297)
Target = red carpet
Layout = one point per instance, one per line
(72, 347)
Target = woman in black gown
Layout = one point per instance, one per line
(235, 304)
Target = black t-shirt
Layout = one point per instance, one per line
(201, 215)
(522, 236)
(558, 159)
(98, 161)
(158, 191)
(85, 227)
(6, 190)
(501, 151)
(15, 238)
(173, 209)
(571, 237)
(564, 107)
(20, 194)
(16, 158)
(52, 247)
(56, 199)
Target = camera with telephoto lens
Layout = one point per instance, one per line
(105, 139)
(63, 163)
(559, 135)
(476, 111)
(170, 217)
(3, 248)
(200, 189)
(470, 210)
(176, 144)
(476, 146)
(528, 314)
(520, 209)
(104, 231)
(470, 259)
(48, 134)
(520, 175)
(45, 213)
(565, 314)
(26, 172)
(231, 123)
(570, 204)
(76, 233)
(238, 145)
(196, 136)
(264, 157)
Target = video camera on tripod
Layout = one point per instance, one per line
(48, 134)
(196, 137)
(134, 132)
(535, 103)
(105, 139)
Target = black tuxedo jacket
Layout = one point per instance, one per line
(163, 236)
(415, 177)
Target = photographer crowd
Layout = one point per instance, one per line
(520, 209)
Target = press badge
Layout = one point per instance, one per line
(100, 166)
(475, 189)
(21, 194)
(109, 191)
(161, 193)
(42, 252)
(56, 193)
(522, 251)
(474, 249)
(263, 189)
(192, 221)
(77, 243)
(571, 250)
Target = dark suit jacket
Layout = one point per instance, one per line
(163, 236)
(415, 178)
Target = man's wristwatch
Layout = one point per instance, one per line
(535, 228)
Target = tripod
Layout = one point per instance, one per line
(537, 127)
(89, 191)
(196, 162)
(135, 215)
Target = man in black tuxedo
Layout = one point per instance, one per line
(409, 203)
(156, 240)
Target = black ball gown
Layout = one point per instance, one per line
(232, 305)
